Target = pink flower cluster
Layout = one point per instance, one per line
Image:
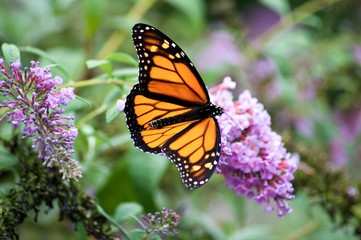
(253, 160)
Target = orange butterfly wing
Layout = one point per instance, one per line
(141, 110)
(164, 69)
(169, 110)
(195, 151)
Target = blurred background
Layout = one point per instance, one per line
(301, 59)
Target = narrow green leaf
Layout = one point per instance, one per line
(83, 100)
(127, 211)
(46, 56)
(123, 58)
(253, 232)
(147, 170)
(280, 6)
(138, 234)
(111, 113)
(7, 159)
(114, 142)
(93, 63)
(104, 65)
(194, 10)
(11, 52)
(112, 95)
(94, 13)
(118, 186)
(112, 220)
(95, 173)
(126, 72)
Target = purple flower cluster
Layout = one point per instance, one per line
(32, 99)
(161, 222)
(253, 160)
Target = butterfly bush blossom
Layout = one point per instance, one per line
(161, 222)
(253, 160)
(32, 99)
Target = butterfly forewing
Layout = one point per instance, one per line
(165, 70)
(141, 110)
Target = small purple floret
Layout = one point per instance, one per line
(164, 222)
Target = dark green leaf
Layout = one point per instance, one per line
(137, 234)
(111, 113)
(114, 142)
(96, 174)
(93, 63)
(194, 10)
(127, 211)
(11, 52)
(113, 94)
(7, 159)
(119, 186)
(278, 6)
(104, 65)
(46, 56)
(123, 58)
(125, 72)
(146, 170)
(94, 13)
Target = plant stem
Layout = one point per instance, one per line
(115, 223)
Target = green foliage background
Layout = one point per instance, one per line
(312, 92)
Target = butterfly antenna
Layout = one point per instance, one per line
(234, 122)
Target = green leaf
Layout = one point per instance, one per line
(6, 187)
(118, 226)
(119, 186)
(95, 173)
(85, 101)
(138, 234)
(93, 63)
(7, 159)
(94, 13)
(147, 170)
(126, 72)
(114, 142)
(253, 232)
(194, 10)
(46, 56)
(104, 65)
(135, 178)
(280, 6)
(111, 113)
(122, 58)
(112, 95)
(11, 52)
(127, 211)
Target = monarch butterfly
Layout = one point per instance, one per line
(169, 110)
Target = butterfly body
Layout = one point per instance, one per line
(197, 113)
(169, 110)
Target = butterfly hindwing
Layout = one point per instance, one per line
(195, 151)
